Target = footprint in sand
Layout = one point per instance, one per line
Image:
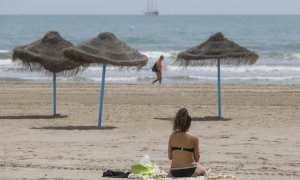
(261, 158)
(253, 138)
(241, 157)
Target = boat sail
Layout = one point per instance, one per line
(152, 8)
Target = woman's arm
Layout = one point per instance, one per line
(196, 150)
(169, 150)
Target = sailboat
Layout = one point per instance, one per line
(152, 8)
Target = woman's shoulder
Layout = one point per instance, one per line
(176, 135)
(173, 134)
(186, 134)
(192, 136)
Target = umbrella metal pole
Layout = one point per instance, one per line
(101, 96)
(54, 94)
(219, 89)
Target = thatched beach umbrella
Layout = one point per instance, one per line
(46, 55)
(217, 50)
(105, 49)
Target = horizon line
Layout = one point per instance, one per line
(144, 15)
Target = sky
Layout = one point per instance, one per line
(138, 7)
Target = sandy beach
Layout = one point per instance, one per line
(259, 139)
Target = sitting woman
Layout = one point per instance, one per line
(183, 148)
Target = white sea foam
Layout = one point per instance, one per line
(156, 54)
(202, 77)
(268, 78)
(5, 62)
(171, 55)
(291, 57)
(248, 78)
(189, 79)
(296, 56)
(115, 79)
(238, 69)
(4, 51)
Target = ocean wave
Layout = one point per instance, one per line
(10, 79)
(6, 62)
(4, 51)
(115, 79)
(238, 69)
(282, 56)
(5, 54)
(266, 78)
(156, 54)
(275, 46)
(172, 55)
(8, 66)
(191, 78)
(111, 68)
(295, 46)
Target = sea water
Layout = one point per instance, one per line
(275, 38)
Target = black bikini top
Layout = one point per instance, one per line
(183, 149)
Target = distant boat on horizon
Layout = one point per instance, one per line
(152, 8)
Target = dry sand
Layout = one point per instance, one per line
(261, 139)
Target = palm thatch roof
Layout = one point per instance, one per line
(46, 54)
(217, 47)
(106, 49)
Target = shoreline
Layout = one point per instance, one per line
(260, 139)
(23, 81)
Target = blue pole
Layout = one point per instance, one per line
(54, 94)
(101, 96)
(219, 90)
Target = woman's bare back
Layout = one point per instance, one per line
(182, 157)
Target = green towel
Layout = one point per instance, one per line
(143, 169)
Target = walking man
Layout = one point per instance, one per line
(158, 66)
